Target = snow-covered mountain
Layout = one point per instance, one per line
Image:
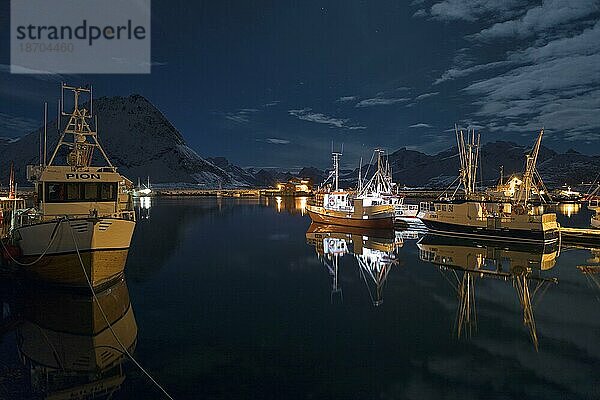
(138, 139)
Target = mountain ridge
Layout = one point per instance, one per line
(141, 141)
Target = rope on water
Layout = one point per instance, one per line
(87, 278)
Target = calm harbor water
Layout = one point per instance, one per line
(243, 298)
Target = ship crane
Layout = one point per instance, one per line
(531, 176)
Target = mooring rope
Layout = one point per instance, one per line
(125, 350)
(52, 237)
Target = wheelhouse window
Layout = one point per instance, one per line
(90, 191)
(55, 192)
(58, 192)
(72, 191)
(108, 191)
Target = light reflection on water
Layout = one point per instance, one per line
(247, 291)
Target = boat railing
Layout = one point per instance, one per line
(128, 215)
(341, 208)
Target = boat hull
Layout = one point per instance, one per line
(102, 267)
(103, 244)
(322, 216)
(531, 236)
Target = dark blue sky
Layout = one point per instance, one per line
(272, 83)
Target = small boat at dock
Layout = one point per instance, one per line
(473, 214)
(380, 189)
(341, 207)
(81, 209)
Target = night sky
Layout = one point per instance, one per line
(273, 83)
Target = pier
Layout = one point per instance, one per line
(582, 236)
(209, 192)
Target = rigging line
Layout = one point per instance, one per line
(362, 273)
(87, 278)
(448, 279)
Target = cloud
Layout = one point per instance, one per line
(456, 73)
(420, 125)
(380, 101)
(344, 99)
(420, 13)
(550, 77)
(274, 141)
(550, 14)
(17, 126)
(426, 95)
(306, 114)
(242, 115)
(473, 10)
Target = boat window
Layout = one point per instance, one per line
(72, 191)
(55, 192)
(450, 207)
(108, 191)
(90, 191)
(444, 207)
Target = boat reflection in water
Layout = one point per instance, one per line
(142, 206)
(591, 270)
(290, 204)
(524, 266)
(65, 344)
(374, 250)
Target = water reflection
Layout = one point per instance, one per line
(591, 271)
(569, 209)
(142, 206)
(374, 250)
(289, 204)
(67, 349)
(463, 262)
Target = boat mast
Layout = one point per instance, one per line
(336, 168)
(11, 182)
(468, 151)
(359, 186)
(81, 150)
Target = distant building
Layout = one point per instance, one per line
(295, 187)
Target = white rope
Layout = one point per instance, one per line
(52, 237)
(87, 278)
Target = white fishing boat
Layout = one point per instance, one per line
(379, 189)
(473, 214)
(341, 207)
(142, 189)
(80, 208)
